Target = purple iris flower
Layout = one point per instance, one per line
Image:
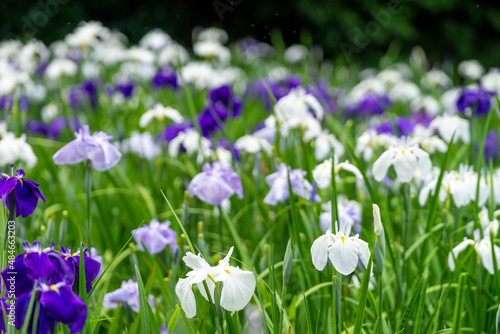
(422, 117)
(92, 267)
(57, 303)
(156, 237)
(405, 126)
(223, 97)
(59, 124)
(491, 147)
(262, 88)
(384, 127)
(278, 182)
(24, 103)
(216, 183)
(39, 264)
(86, 92)
(222, 104)
(126, 87)
(25, 192)
(478, 101)
(37, 128)
(371, 104)
(6, 102)
(171, 131)
(320, 92)
(211, 118)
(96, 148)
(127, 295)
(166, 77)
(40, 69)
(54, 129)
(224, 143)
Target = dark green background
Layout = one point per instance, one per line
(451, 29)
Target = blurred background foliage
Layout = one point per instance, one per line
(447, 29)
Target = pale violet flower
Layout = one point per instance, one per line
(278, 182)
(343, 251)
(405, 158)
(483, 248)
(237, 289)
(322, 173)
(156, 237)
(159, 112)
(126, 296)
(216, 183)
(349, 213)
(96, 148)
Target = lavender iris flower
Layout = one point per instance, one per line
(279, 185)
(478, 101)
(25, 192)
(349, 213)
(165, 77)
(92, 267)
(57, 303)
(95, 148)
(127, 295)
(156, 237)
(36, 263)
(491, 147)
(216, 183)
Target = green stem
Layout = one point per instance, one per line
(88, 186)
(219, 223)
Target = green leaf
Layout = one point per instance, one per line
(362, 302)
(411, 305)
(144, 314)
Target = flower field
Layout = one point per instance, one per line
(244, 188)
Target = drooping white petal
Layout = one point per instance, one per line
(381, 166)
(457, 250)
(485, 253)
(184, 292)
(319, 250)
(237, 289)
